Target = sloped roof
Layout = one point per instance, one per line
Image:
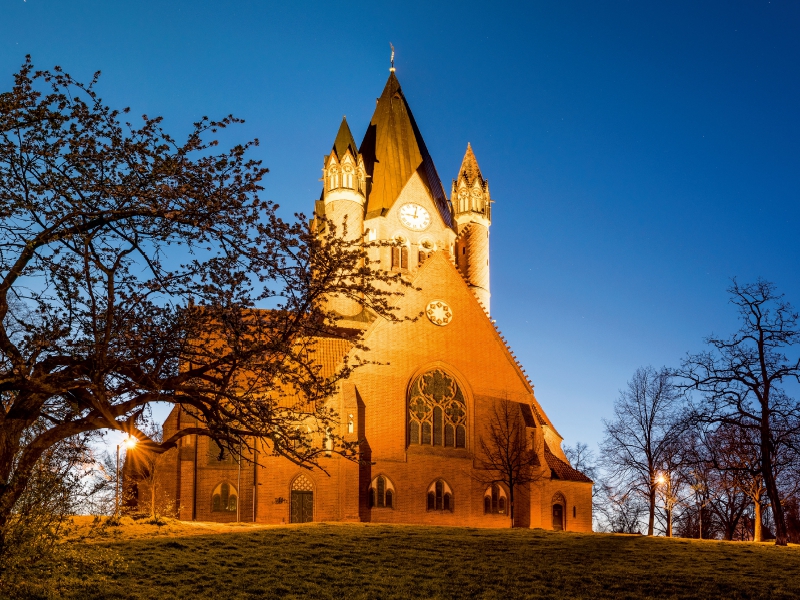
(393, 150)
(562, 470)
(344, 141)
(469, 167)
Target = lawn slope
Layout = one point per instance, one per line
(401, 562)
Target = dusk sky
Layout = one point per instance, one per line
(640, 153)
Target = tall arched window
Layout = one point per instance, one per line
(224, 498)
(437, 411)
(381, 493)
(440, 496)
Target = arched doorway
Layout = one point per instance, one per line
(302, 503)
(559, 504)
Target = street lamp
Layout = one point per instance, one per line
(130, 443)
(663, 480)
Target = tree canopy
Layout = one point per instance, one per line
(134, 269)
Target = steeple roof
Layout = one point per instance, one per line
(344, 140)
(393, 150)
(469, 167)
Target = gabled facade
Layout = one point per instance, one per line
(420, 408)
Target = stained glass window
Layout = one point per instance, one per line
(437, 409)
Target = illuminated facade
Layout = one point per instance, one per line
(420, 409)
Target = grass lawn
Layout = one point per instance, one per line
(377, 561)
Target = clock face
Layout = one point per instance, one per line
(414, 217)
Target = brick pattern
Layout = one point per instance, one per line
(471, 351)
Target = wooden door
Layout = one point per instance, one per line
(302, 507)
(558, 517)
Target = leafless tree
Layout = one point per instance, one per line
(147, 470)
(619, 512)
(740, 381)
(134, 269)
(643, 436)
(507, 452)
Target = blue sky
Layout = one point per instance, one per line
(640, 153)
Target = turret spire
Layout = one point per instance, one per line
(344, 141)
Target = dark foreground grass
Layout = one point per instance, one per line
(401, 562)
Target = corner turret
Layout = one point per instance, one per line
(343, 195)
(472, 206)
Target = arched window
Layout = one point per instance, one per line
(440, 496)
(494, 500)
(381, 493)
(224, 498)
(437, 409)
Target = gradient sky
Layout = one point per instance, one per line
(640, 153)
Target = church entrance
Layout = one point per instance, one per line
(558, 517)
(302, 507)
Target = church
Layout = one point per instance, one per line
(420, 408)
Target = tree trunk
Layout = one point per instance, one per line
(781, 533)
(511, 504)
(758, 536)
(669, 522)
(652, 516)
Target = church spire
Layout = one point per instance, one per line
(470, 193)
(469, 167)
(393, 151)
(344, 141)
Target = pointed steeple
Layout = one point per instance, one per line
(344, 141)
(469, 167)
(393, 151)
(470, 192)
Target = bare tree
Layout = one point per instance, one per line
(740, 379)
(133, 269)
(147, 470)
(508, 455)
(619, 512)
(640, 441)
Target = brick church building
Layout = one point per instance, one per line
(421, 408)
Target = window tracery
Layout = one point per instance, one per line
(437, 411)
(495, 500)
(224, 498)
(381, 493)
(440, 496)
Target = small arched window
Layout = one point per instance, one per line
(495, 500)
(440, 496)
(381, 493)
(224, 498)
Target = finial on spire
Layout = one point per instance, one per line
(392, 59)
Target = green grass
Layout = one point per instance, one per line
(375, 561)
